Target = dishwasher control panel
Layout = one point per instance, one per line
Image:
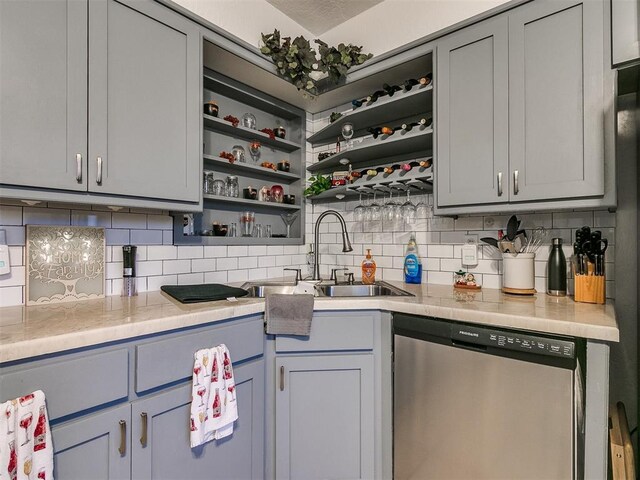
(513, 341)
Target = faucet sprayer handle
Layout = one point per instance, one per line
(334, 275)
(350, 279)
(298, 273)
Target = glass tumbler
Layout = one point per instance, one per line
(247, 221)
(233, 189)
(207, 181)
(233, 230)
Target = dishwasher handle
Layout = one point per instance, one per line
(468, 345)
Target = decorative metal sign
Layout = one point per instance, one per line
(64, 263)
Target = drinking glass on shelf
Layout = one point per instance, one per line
(254, 150)
(219, 188)
(233, 230)
(347, 133)
(288, 219)
(358, 212)
(409, 209)
(247, 220)
(376, 210)
(267, 231)
(257, 231)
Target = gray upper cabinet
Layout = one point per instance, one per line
(625, 19)
(556, 100)
(43, 93)
(472, 114)
(144, 108)
(100, 97)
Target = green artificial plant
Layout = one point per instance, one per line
(296, 60)
(317, 185)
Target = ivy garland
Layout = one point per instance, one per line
(296, 60)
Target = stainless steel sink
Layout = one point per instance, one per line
(379, 289)
(260, 290)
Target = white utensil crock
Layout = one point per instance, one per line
(519, 271)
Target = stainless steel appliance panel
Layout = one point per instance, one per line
(464, 414)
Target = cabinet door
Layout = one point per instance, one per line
(325, 417)
(90, 447)
(625, 30)
(43, 93)
(167, 454)
(556, 102)
(472, 115)
(144, 108)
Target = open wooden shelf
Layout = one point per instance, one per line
(209, 200)
(218, 125)
(251, 169)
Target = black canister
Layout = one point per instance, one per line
(557, 270)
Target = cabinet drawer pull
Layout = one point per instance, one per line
(79, 167)
(282, 378)
(143, 437)
(99, 175)
(123, 438)
(515, 183)
(499, 184)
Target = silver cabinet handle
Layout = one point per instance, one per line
(515, 183)
(99, 175)
(282, 378)
(79, 167)
(143, 437)
(123, 438)
(499, 184)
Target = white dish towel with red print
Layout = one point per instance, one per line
(213, 399)
(26, 452)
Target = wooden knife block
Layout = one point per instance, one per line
(590, 288)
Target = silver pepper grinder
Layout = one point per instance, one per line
(129, 271)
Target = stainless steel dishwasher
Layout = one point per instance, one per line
(474, 403)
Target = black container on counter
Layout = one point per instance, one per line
(557, 270)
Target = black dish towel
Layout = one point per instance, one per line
(206, 292)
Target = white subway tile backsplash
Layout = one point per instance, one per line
(215, 277)
(90, 218)
(113, 270)
(154, 283)
(203, 265)
(257, 274)
(16, 256)
(257, 250)
(11, 296)
(191, 279)
(215, 251)
(237, 251)
(468, 223)
(269, 261)
(176, 266)
(159, 222)
(275, 250)
(45, 216)
(441, 251)
(190, 251)
(10, 215)
(116, 236)
(441, 278)
(129, 220)
(146, 237)
(572, 219)
(149, 268)
(14, 278)
(164, 252)
(227, 263)
(248, 262)
(237, 276)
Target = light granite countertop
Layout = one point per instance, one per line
(32, 331)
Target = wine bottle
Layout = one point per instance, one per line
(387, 130)
(425, 122)
(409, 84)
(357, 103)
(390, 89)
(372, 173)
(375, 95)
(426, 163)
(426, 80)
(375, 131)
(388, 170)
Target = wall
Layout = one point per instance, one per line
(159, 262)
(440, 239)
(245, 19)
(394, 23)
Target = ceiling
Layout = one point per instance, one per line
(319, 17)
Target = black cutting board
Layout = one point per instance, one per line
(205, 292)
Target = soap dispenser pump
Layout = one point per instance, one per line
(368, 269)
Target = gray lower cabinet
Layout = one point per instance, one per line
(472, 107)
(100, 97)
(325, 416)
(521, 110)
(625, 30)
(95, 447)
(160, 435)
